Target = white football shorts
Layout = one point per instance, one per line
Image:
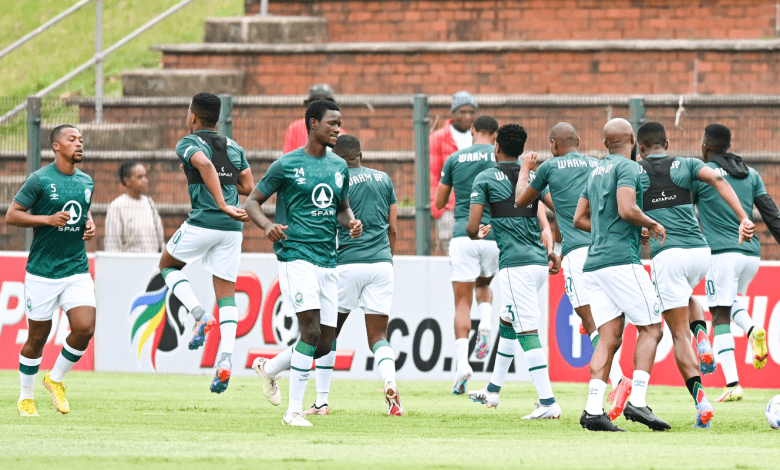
(676, 271)
(627, 288)
(572, 265)
(366, 285)
(729, 275)
(43, 296)
(519, 291)
(220, 250)
(470, 259)
(306, 286)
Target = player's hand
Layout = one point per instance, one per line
(529, 159)
(484, 230)
(90, 230)
(60, 219)
(746, 230)
(276, 232)
(644, 237)
(555, 263)
(657, 230)
(236, 214)
(355, 228)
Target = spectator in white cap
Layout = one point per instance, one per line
(453, 136)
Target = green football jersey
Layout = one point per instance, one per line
(309, 193)
(615, 242)
(565, 177)
(720, 224)
(459, 172)
(371, 194)
(205, 212)
(518, 238)
(57, 252)
(682, 227)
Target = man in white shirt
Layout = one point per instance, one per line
(133, 224)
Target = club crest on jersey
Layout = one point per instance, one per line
(74, 209)
(298, 298)
(87, 195)
(322, 197)
(339, 180)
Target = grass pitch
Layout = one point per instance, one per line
(173, 421)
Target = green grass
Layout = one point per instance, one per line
(172, 421)
(71, 42)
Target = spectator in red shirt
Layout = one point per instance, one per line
(296, 135)
(454, 136)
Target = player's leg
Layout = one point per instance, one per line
(187, 245)
(29, 361)
(488, 262)
(324, 372)
(300, 366)
(507, 346)
(705, 353)
(755, 333)
(464, 264)
(721, 287)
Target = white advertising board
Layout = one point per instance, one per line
(141, 327)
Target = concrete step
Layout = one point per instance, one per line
(266, 29)
(113, 136)
(181, 82)
(496, 67)
(490, 20)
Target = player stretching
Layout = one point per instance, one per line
(733, 265)
(682, 262)
(620, 288)
(55, 202)
(217, 173)
(566, 175)
(365, 268)
(523, 269)
(473, 262)
(311, 185)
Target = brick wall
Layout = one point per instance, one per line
(490, 20)
(505, 71)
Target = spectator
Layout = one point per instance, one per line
(454, 136)
(133, 224)
(296, 135)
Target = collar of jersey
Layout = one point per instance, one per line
(656, 155)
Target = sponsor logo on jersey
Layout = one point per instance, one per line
(664, 197)
(74, 208)
(222, 173)
(339, 179)
(322, 197)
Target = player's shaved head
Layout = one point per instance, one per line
(619, 138)
(651, 134)
(486, 124)
(57, 131)
(206, 106)
(347, 147)
(565, 134)
(717, 137)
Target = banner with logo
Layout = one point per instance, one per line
(13, 323)
(570, 351)
(143, 328)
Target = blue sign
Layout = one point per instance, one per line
(574, 347)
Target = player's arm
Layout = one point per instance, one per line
(18, 216)
(547, 200)
(274, 232)
(711, 177)
(90, 228)
(629, 211)
(442, 196)
(347, 221)
(200, 162)
(547, 240)
(474, 229)
(768, 210)
(524, 194)
(392, 229)
(246, 183)
(582, 215)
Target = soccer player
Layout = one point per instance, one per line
(565, 176)
(679, 265)
(525, 245)
(473, 263)
(217, 172)
(619, 287)
(733, 265)
(365, 269)
(55, 201)
(312, 186)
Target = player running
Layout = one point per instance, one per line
(55, 201)
(473, 263)
(681, 263)
(619, 287)
(217, 172)
(565, 176)
(525, 248)
(312, 186)
(365, 269)
(733, 264)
